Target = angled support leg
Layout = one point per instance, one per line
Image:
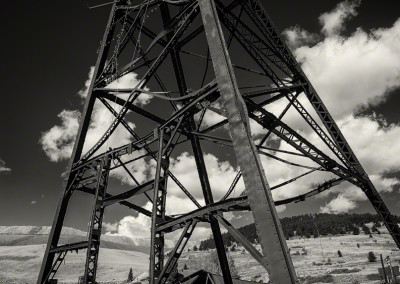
(268, 227)
(55, 232)
(243, 241)
(258, 14)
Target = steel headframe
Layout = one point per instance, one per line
(259, 39)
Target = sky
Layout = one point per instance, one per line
(349, 50)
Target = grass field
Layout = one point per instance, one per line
(315, 260)
(21, 264)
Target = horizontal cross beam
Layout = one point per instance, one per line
(130, 193)
(70, 247)
(236, 204)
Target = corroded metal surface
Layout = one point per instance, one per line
(268, 227)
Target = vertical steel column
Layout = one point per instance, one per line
(59, 216)
(198, 154)
(158, 212)
(92, 254)
(266, 219)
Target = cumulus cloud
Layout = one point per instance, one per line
(375, 145)
(3, 168)
(183, 167)
(340, 204)
(333, 22)
(297, 36)
(84, 91)
(220, 174)
(58, 141)
(135, 228)
(214, 116)
(350, 73)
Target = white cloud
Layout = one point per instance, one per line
(3, 168)
(220, 173)
(297, 36)
(280, 208)
(340, 204)
(355, 71)
(130, 80)
(135, 228)
(376, 146)
(351, 72)
(84, 91)
(33, 202)
(110, 227)
(58, 142)
(348, 72)
(333, 22)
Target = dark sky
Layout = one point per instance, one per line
(47, 49)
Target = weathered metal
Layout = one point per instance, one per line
(184, 125)
(269, 231)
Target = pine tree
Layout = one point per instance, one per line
(185, 267)
(375, 229)
(356, 230)
(339, 253)
(365, 229)
(195, 248)
(371, 257)
(130, 275)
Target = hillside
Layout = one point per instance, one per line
(21, 264)
(37, 235)
(316, 260)
(306, 226)
(22, 249)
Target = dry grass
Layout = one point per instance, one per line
(314, 266)
(20, 264)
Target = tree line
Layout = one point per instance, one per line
(311, 225)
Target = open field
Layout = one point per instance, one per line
(353, 267)
(316, 261)
(21, 264)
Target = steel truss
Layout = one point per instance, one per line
(248, 26)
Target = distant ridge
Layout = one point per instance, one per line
(36, 235)
(314, 225)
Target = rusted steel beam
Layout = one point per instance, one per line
(128, 194)
(70, 247)
(269, 231)
(243, 241)
(59, 216)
